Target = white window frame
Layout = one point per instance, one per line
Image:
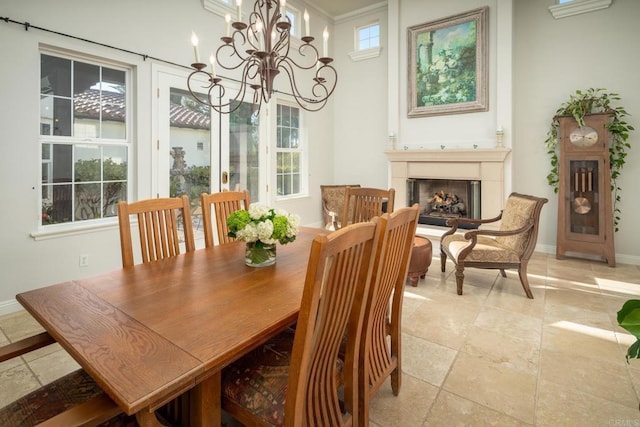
(228, 7)
(302, 150)
(575, 7)
(358, 40)
(298, 21)
(221, 7)
(45, 231)
(362, 54)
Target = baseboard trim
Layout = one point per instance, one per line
(9, 306)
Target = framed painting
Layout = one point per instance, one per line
(448, 65)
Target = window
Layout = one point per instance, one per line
(83, 138)
(288, 151)
(368, 37)
(221, 7)
(367, 42)
(293, 18)
(565, 8)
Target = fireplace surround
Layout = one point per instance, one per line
(486, 165)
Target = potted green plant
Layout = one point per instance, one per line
(629, 319)
(580, 104)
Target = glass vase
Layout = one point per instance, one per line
(258, 254)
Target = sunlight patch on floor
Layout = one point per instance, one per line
(574, 285)
(414, 296)
(586, 330)
(631, 289)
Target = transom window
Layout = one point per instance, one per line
(83, 138)
(368, 37)
(288, 151)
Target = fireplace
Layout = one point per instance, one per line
(441, 199)
(486, 166)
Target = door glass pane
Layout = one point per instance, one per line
(190, 147)
(244, 138)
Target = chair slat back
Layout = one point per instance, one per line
(224, 204)
(158, 228)
(338, 276)
(363, 204)
(395, 243)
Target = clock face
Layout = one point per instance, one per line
(583, 136)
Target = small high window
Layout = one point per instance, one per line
(368, 37)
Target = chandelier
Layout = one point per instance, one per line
(261, 50)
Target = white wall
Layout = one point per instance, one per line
(535, 63)
(159, 28)
(553, 58)
(456, 130)
(361, 107)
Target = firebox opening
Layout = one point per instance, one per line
(441, 199)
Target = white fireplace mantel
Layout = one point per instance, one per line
(484, 164)
(449, 155)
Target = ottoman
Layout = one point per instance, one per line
(420, 259)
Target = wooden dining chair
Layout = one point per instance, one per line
(224, 204)
(361, 204)
(74, 399)
(381, 356)
(158, 224)
(299, 371)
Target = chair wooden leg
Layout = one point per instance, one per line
(396, 381)
(443, 261)
(459, 278)
(503, 273)
(522, 272)
(396, 356)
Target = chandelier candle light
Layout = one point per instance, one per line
(260, 50)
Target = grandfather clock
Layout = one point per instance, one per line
(585, 212)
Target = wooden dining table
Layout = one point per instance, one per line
(152, 332)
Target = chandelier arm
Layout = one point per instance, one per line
(321, 80)
(284, 41)
(234, 52)
(214, 84)
(295, 63)
(318, 90)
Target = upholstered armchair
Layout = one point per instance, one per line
(510, 247)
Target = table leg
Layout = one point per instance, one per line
(147, 419)
(206, 400)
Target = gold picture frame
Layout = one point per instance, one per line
(448, 65)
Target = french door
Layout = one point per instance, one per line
(199, 150)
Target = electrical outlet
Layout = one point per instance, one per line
(84, 260)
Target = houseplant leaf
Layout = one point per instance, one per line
(629, 319)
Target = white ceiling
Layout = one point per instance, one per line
(340, 7)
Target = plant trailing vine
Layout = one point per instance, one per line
(580, 104)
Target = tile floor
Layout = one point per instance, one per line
(490, 357)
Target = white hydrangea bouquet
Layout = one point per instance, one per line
(261, 227)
